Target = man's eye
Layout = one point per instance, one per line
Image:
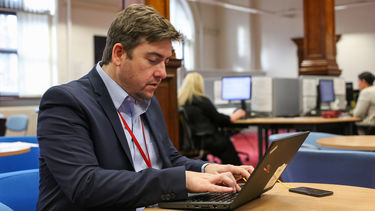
(152, 61)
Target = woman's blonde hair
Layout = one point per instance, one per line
(192, 85)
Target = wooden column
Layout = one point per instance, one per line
(299, 43)
(162, 6)
(319, 43)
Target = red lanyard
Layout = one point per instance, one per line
(147, 161)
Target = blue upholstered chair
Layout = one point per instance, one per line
(29, 160)
(3, 207)
(17, 123)
(310, 141)
(19, 189)
(356, 168)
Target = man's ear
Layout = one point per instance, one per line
(118, 54)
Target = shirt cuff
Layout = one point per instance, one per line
(204, 166)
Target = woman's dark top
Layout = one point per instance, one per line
(203, 115)
(203, 118)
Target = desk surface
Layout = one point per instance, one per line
(343, 198)
(296, 120)
(7, 148)
(349, 142)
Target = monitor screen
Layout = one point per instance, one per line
(326, 89)
(349, 92)
(236, 88)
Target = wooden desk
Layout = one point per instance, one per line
(349, 142)
(6, 149)
(279, 198)
(345, 124)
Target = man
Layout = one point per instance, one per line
(103, 139)
(365, 107)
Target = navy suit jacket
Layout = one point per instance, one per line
(85, 161)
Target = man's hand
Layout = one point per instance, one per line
(237, 171)
(204, 182)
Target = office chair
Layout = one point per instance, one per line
(366, 129)
(4, 207)
(356, 168)
(17, 123)
(188, 147)
(310, 141)
(19, 189)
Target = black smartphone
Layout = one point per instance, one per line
(311, 191)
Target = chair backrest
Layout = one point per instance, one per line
(28, 160)
(310, 141)
(17, 123)
(19, 189)
(366, 129)
(3, 207)
(187, 145)
(356, 168)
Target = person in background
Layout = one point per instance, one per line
(365, 107)
(203, 116)
(103, 140)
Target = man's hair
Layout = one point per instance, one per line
(135, 25)
(367, 76)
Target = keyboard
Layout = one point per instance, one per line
(214, 197)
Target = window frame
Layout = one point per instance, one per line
(8, 95)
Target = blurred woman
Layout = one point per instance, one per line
(203, 117)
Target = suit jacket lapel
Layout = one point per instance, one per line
(153, 122)
(105, 101)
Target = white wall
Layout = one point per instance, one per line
(356, 48)
(278, 51)
(234, 40)
(207, 41)
(87, 20)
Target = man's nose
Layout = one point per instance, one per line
(161, 71)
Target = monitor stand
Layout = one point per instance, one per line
(246, 109)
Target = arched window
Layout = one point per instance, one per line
(182, 19)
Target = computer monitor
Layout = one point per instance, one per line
(349, 94)
(326, 91)
(236, 88)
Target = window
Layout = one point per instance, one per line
(182, 19)
(27, 64)
(8, 53)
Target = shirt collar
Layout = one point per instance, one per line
(118, 94)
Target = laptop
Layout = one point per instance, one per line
(263, 178)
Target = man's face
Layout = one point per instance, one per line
(141, 75)
(361, 84)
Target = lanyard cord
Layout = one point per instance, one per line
(147, 161)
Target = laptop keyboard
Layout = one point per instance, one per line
(214, 197)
